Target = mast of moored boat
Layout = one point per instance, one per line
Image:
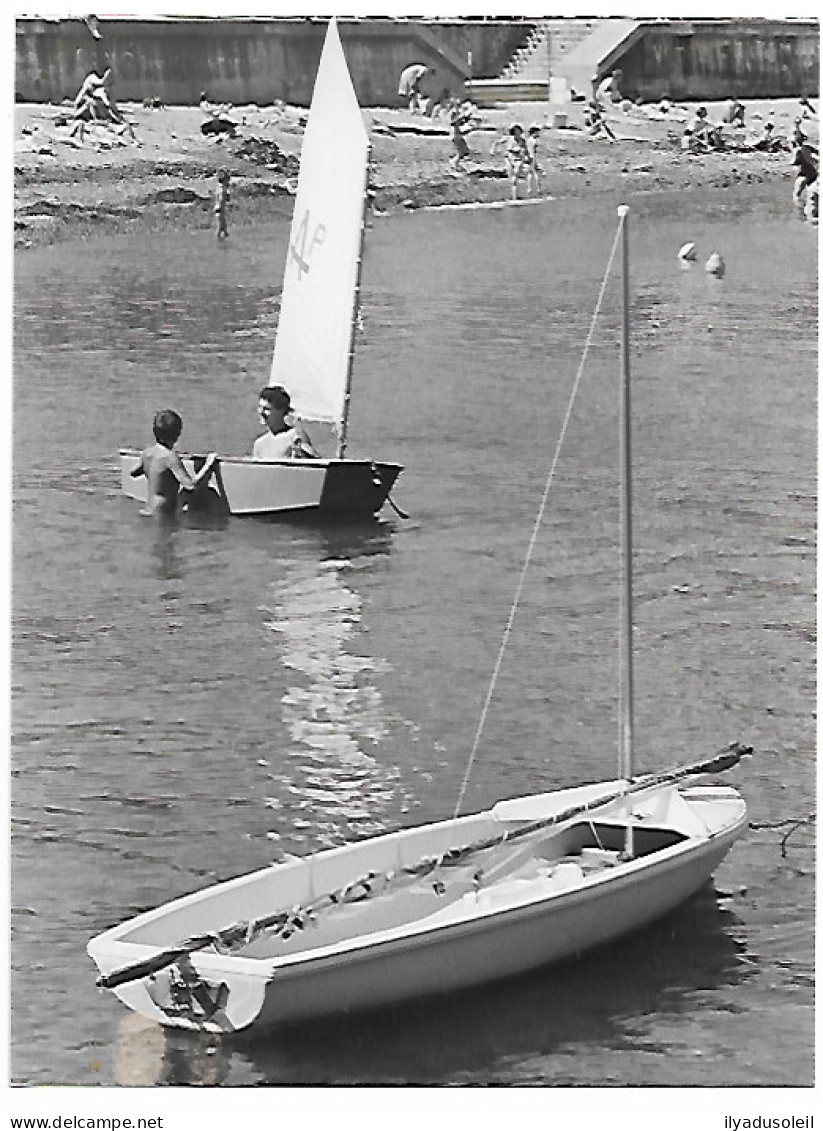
(627, 697)
(344, 423)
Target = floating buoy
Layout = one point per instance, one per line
(688, 252)
(715, 265)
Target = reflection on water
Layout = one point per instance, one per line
(146, 1055)
(334, 786)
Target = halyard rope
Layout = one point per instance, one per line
(549, 480)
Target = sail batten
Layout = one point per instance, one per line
(317, 312)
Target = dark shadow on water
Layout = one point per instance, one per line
(469, 1037)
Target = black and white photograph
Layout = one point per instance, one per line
(413, 432)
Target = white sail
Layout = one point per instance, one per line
(314, 334)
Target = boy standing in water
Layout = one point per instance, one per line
(221, 204)
(163, 467)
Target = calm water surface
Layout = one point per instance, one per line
(192, 703)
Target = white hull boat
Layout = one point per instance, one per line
(240, 485)
(444, 906)
(423, 911)
(314, 344)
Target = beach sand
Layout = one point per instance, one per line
(68, 189)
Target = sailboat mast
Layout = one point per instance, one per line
(344, 424)
(627, 698)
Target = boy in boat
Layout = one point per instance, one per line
(285, 437)
(164, 469)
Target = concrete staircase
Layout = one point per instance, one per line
(533, 72)
(599, 52)
(549, 42)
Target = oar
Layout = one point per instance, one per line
(237, 932)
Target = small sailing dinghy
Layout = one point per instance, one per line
(443, 906)
(314, 345)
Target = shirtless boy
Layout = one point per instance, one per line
(164, 469)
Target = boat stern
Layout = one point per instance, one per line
(357, 487)
(200, 992)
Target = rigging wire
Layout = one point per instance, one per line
(533, 541)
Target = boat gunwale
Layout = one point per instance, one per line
(308, 461)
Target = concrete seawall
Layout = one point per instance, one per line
(265, 60)
(248, 60)
(712, 59)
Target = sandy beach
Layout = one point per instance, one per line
(165, 175)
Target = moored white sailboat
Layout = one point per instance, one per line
(443, 906)
(314, 345)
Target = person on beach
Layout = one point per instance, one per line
(89, 83)
(595, 122)
(808, 110)
(409, 87)
(163, 467)
(89, 104)
(518, 158)
(703, 135)
(285, 437)
(807, 162)
(608, 89)
(221, 204)
(533, 168)
(735, 113)
(813, 201)
(798, 134)
(94, 103)
(769, 142)
(459, 119)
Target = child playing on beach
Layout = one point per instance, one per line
(595, 121)
(807, 161)
(221, 204)
(533, 168)
(518, 157)
(163, 467)
(459, 117)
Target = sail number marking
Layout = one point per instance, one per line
(306, 240)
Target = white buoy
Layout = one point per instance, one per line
(715, 265)
(688, 252)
